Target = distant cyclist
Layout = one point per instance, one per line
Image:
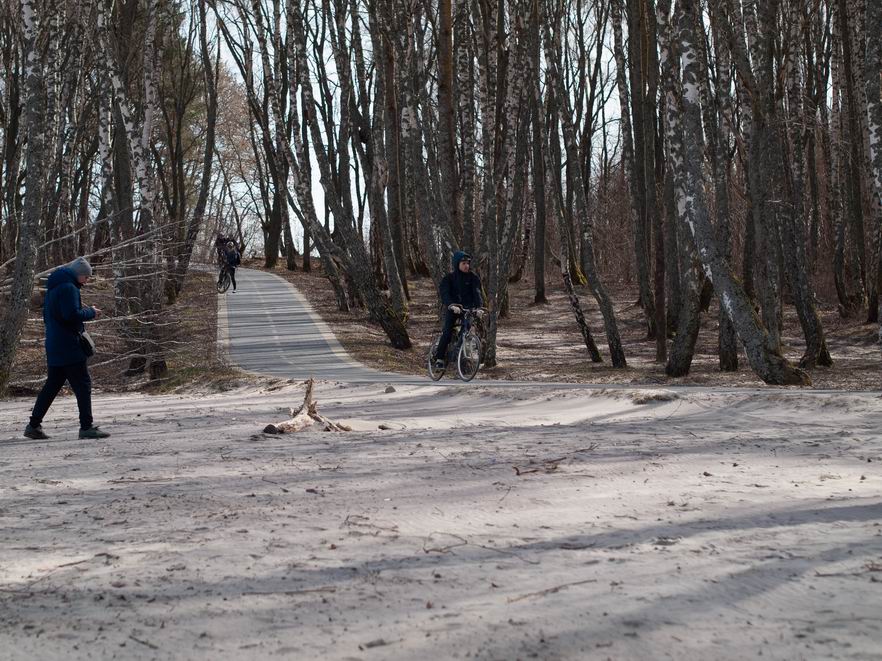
(231, 259)
(458, 289)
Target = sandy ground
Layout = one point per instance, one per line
(484, 522)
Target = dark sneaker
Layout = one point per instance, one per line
(35, 433)
(93, 432)
(439, 364)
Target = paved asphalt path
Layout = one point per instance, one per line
(268, 327)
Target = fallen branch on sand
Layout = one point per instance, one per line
(556, 588)
(306, 416)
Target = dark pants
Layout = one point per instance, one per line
(446, 333)
(232, 270)
(77, 375)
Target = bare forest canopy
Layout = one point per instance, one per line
(718, 148)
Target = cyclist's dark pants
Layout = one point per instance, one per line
(446, 332)
(232, 270)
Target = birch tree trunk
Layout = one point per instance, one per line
(728, 340)
(138, 276)
(195, 223)
(791, 171)
(433, 238)
(557, 215)
(574, 166)
(679, 359)
(504, 185)
(763, 355)
(392, 131)
(465, 97)
(873, 50)
(632, 140)
(358, 263)
(378, 176)
(847, 213)
(447, 125)
(34, 127)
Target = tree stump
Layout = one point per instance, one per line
(305, 416)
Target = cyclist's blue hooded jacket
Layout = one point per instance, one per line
(64, 315)
(461, 288)
(232, 258)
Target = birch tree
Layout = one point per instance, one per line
(552, 57)
(762, 353)
(34, 127)
(873, 49)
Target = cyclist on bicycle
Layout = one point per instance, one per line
(458, 289)
(231, 259)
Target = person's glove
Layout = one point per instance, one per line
(454, 308)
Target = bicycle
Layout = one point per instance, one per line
(224, 280)
(465, 347)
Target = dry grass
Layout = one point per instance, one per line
(189, 329)
(542, 343)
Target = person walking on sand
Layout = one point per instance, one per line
(63, 316)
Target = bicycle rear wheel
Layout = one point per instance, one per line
(468, 360)
(435, 373)
(224, 283)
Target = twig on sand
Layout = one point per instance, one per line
(132, 480)
(305, 416)
(144, 642)
(464, 542)
(270, 593)
(556, 588)
(379, 642)
(444, 549)
(284, 490)
(547, 467)
(107, 558)
(838, 574)
(504, 552)
(550, 465)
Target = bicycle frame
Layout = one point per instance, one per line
(460, 329)
(463, 328)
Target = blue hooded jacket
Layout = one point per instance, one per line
(461, 288)
(232, 257)
(63, 315)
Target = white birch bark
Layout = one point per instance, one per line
(26, 247)
(360, 269)
(576, 179)
(873, 56)
(763, 355)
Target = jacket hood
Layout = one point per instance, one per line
(61, 276)
(458, 256)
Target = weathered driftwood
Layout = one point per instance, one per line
(305, 416)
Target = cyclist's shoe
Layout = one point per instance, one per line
(35, 433)
(93, 432)
(439, 364)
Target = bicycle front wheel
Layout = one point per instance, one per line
(469, 358)
(223, 284)
(435, 373)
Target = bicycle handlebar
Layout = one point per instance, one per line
(465, 309)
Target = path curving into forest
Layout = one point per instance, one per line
(268, 327)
